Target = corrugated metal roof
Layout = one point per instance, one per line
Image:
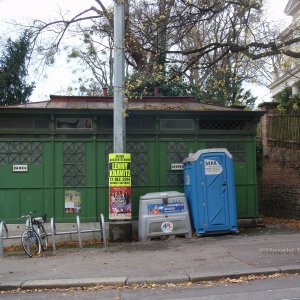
(106, 103)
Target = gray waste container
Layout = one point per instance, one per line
(163, 213)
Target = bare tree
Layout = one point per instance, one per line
(187, 36)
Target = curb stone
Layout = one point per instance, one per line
(10, 285)
(68, 283)
(290, 269)
(210, 276)
(123, 281)
(158, 279)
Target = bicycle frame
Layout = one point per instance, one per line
(28, 223)
(31, 222)
(31, 238)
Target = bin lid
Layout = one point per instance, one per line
(162, 195)
(195, 156)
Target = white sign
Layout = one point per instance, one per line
(176, 166)
(20, 168)
(212, 167)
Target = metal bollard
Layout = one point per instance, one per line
(79, 232)
(102, 227)
(53, 232)
(2, 225)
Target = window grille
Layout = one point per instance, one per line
(22, 123)
(105, 123)
(140, 124)
(139, 162)
(71, 123)
(74, 164)
(180, 124)
(237, 149)
(177, 152)
(21, 153)
(225, 125)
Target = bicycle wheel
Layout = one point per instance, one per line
(31, 243)
(43, 236)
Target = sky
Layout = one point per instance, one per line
(57, 78)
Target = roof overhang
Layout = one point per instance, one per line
(292, 7)
(179, 106)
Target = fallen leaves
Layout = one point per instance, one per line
(254, 277)
(67, 244)
(97, 287)
(281, 222)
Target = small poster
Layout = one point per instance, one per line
(120, 192)
(72, 201)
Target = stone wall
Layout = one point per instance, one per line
(278, 177)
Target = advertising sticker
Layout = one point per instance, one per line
(167, 227)
(212, 167)
(170, 208)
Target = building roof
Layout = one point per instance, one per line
(106, 103)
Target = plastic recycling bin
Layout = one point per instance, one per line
(162, 214)
(210, 191)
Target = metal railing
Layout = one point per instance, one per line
(78, 231)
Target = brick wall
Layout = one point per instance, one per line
(278, 178)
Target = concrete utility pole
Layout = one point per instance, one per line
(119, 77)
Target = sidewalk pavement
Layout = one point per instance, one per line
(258, 251)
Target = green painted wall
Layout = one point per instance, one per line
(42, 188)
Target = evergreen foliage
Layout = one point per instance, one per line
(287, 102)
(222, 88)
(14, 88)
(225, 89)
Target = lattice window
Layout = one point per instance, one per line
(74, 164)
(177, 152)
(140, 124)
(139, 161)
(79, 123)
(105, 123)
(237, 149)
(180, 124)
(24, 123)
(226, 124)
(21, 153)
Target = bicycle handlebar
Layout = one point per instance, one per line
(29, 215)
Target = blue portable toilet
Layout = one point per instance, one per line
(210, 191)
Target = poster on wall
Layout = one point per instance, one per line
(120, 193)
(72, 201)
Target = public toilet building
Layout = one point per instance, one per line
(58, 148)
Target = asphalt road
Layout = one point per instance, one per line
(278, 288)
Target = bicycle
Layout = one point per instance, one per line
(34, 239)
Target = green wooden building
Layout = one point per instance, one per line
(53, 147)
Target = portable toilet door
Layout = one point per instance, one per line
(213, 197)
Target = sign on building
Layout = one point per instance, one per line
(20, 168)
